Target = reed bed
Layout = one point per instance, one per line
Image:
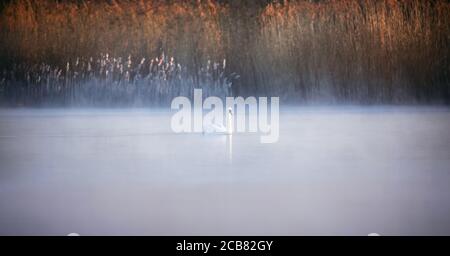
(327, 51)
(356, 51)
(108, 81)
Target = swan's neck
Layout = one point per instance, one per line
(229, 123)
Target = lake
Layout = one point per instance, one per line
(334, 171)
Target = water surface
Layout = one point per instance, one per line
(334, 171)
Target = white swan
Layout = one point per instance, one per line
(229, 130)
(220, 128)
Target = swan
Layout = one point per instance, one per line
(220, 128)
(229, 130)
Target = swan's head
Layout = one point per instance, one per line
(229, 111)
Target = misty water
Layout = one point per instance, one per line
(334, 171)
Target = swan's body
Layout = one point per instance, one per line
(214, 128)
(219, 128)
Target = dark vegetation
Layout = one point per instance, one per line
(120, 52)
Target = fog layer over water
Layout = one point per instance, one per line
(334, 171)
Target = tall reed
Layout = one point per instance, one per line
(110, 81)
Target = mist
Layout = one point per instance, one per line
(334, 171)
(362, 142)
